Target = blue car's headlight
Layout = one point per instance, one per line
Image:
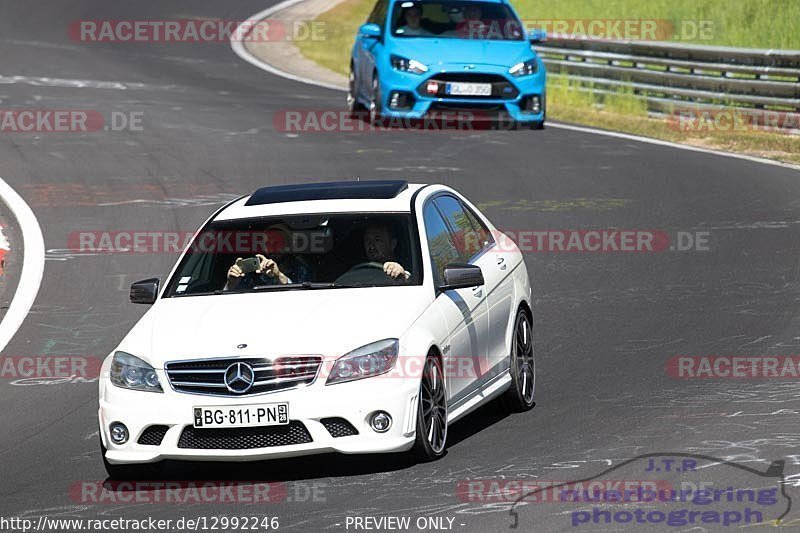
(526, 68)
(408, 65)
(370, 360)
(130, 372)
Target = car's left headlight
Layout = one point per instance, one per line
(525, 68)
(370, 360)
(130, 372)
(408, 65)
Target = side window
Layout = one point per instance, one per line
(484, 237)
(378, 15)
(442, 248)
(471, 236)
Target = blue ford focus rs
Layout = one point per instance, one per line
(412, 59)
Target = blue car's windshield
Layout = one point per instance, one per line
(455, 19)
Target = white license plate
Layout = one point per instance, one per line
(469, 89)
(241, 416)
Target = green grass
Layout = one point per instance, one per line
(746, 23)
(340, 25)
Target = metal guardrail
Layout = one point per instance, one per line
(674, 75)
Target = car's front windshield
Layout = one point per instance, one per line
(455, 19)
(300, 252)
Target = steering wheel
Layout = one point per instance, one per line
(369, 272)
(369, 264)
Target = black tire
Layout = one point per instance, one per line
(431, 440)
(131, 472)
(375, 104)
(521, 396)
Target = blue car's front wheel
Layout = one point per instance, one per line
(375, 100)
(352, 106)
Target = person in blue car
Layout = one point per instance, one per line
(413, 23)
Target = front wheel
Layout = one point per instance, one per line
(520, 397)
(431, 413)
(375, 104)
(352, 106)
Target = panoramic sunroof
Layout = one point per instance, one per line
(335, 190)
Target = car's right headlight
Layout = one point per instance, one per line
(525, 68)
(130, 372)
(370, 360)
(408, 65)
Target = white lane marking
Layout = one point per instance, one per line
(237, 43)
(39, 81)
(241, 51)
(669, 144)
(32, 264)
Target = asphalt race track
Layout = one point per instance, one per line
(606, 323)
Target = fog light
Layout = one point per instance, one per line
(534, 105)
(400, 100)
(380, 422)
(119, 433)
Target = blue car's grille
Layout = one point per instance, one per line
(501, 88)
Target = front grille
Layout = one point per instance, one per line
(153, 435)
(207, 376)
(339, 427)
(501, 87)
(244, 438)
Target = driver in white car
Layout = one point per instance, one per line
(379, 245)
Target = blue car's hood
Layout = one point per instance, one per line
(431, 51)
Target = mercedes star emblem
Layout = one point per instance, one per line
(239, 378)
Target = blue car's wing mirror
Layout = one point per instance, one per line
(537, 35)
(371, 31)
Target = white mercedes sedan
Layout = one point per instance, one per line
(351, 317)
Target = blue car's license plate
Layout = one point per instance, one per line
(468, 89)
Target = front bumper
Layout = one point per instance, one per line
(513, 104)
(354, 401)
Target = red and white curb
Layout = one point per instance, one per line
(5, 248)
(30, 278)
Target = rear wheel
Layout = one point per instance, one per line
(520, 397)
(431, 413)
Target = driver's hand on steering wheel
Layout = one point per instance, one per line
(395, 270)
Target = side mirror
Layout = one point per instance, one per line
(537, 36)
(461, 276)
(370, 31)
(145, 292)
